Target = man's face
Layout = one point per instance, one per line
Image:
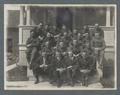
(65, 33)
(87, 44)
(46, 43)
(96, 25)
(40, 26)
(61, 44)
(63, 27)
(97, 35)
(79, 34)
(85, 27)
(57, 54)
(54, 27)
(74, 31)
(70, 54)
(74, 42)
(48, 34)
(83, 54)
(32, 34)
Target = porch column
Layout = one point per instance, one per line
(108, 16)
(28, 21)
(21, 23)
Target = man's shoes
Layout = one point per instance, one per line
(59, 85)
(72, 84)
(36, 82)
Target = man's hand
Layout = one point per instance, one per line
(28, 45)
(60, 69)
(41, 38)
(64, 53)
(41, 66)
(97, 49)
(69, 67)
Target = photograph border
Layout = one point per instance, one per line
(66, 5)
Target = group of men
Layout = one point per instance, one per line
(64, 55)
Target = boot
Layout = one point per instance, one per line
(37, 80)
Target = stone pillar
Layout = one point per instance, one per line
(21, 33)
(21, 23)
(113, 17)
(108, 16)
(21, 15)
(28, 19)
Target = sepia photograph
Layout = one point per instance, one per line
(60, 47)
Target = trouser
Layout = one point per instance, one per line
(37, 72)
(99, 64)
(99, 56)
(59, 78)
(84, 79)
(70, 76)
(51, 74)
(28, 54)
(33, 56)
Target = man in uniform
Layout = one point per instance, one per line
(66, 38)
(75, 47)
(33, 44)
(59, 69)
(63, 29)
(85, 66)
(41, 31)
(98, 46)
(99, 30)
(39, 67)
(62, 48)
(50, 38)
(71, 67)
(74, 34)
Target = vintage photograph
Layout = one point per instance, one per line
(60, 47)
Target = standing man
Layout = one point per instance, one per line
(98, 46)
(32, 53)
(41, 31)
(33, 44)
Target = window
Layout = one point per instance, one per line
(9, 45)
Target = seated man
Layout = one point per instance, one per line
(85, 66)
(59, 68)
(71, 67)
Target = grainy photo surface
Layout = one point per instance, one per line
(60, 47)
